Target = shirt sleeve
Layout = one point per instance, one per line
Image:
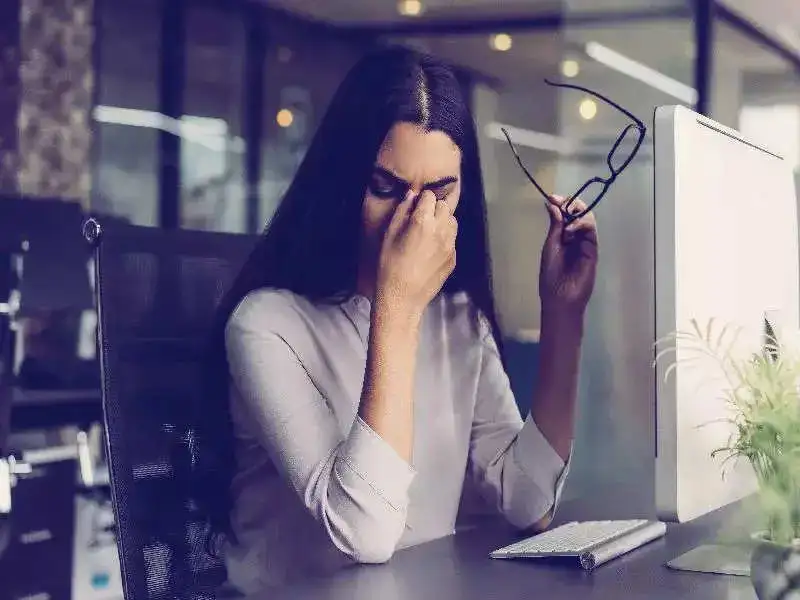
(514, 466)
(356, 485)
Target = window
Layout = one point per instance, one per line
(126, 117)
(212, 144)
(302, 70)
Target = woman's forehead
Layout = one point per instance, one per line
(419, 156)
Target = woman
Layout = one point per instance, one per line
(366, 386)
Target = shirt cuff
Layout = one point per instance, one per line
(539, 461)
(374, 461)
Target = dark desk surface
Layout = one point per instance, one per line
(34, 409)
(458, 568)
(27, 397)
(37, 561)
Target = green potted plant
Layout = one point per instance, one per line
(763, 392)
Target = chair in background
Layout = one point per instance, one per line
(157, 292)
(9, 275)
(55, 275)
(10, 467)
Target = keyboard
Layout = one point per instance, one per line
(591, 542)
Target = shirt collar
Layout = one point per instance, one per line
(357, 307)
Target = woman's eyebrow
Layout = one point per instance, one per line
(428, 186)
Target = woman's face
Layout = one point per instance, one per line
(409, 159)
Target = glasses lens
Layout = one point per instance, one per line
(589, 196)
(625, 149)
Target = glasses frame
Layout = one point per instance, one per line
(637, 124)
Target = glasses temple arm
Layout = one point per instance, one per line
(522, 166)
(599, 96)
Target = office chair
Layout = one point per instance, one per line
(55, 274)
(157, 292)
(10, 465)
(9, 267)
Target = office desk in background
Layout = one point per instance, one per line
(42, 409)
(458, 568)
(39, 532)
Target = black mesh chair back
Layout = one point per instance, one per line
(157, 293)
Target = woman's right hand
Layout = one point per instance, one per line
(418, 253)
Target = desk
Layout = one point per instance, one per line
(35, 409)
(458, 568)
(37, 563)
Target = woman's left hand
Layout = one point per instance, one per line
(569, 260)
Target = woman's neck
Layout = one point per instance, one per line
(365, 285)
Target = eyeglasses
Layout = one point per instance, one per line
(618, 158)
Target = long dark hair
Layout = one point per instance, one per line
(311, 246)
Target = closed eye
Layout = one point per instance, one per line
(441, 192)
(383, 189)
(385, 184)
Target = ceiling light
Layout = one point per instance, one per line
(570, 68)
(409, 8)
(636, 70)
(501, 42)
(209, 132)
(284, 117)
(587, 109)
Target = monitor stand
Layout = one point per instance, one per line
(717, 559)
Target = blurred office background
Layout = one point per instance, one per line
(195, 114)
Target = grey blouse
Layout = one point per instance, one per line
(316, 489)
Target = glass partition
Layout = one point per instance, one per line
(126, 117)
(639, 64)
(302, 70)
(212, 142)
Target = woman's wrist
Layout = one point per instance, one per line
(395, 317)
(564, 321)
(390, 311)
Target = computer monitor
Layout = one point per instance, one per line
(726, 248)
